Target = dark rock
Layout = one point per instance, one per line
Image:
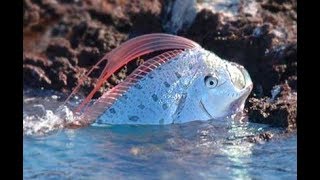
(62, 63)
(88, 57)
(36, 60)
(35, 77)
(60, 47)
(266, 136)
(279, 112)
(60, 30)
(145, 23)
(78, 31)
(31, 14)
(50, 9)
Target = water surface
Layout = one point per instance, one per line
(196, 150)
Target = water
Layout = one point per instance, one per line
(196, 150)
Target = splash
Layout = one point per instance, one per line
(43, 116)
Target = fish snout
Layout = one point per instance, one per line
(239, 77)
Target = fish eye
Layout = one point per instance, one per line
(211, 81)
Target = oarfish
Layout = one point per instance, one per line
(184, 83)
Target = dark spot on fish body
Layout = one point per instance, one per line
(133, 118)
(112, 110)
(178, 75)
(138, 86)
(99, 121)
(125, 96)
(164, 106)
(181, 104)
(190, 66)
(155, 97)
(150, 76)
(109, 116)
(166, 84)
(141, 106)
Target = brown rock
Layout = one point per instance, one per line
(88, 57)
(35, 76)
(59, 47)
(280, 112)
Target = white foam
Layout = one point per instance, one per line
(42, 121)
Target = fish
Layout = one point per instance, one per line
(184, 83)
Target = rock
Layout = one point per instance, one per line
(31, 14)
(36, 60)
(34, 76)
(266, 136)
(279, 112)
(88, 57)
(59, 47)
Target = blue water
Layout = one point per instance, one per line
(196, 150)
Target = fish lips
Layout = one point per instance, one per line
(238, 105)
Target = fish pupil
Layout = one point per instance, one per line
(211, 83)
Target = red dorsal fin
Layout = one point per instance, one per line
(106, 100)
(129, 51)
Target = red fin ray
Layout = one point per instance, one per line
(130, 50)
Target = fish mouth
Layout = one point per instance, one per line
(238, 104)
(203, 108)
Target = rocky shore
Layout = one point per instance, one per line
(62, 39)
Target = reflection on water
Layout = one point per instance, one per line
(239, 152)
(196, 150)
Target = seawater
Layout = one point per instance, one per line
(195, 150)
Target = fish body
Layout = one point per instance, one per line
(176, 87)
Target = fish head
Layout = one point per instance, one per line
(224, 87)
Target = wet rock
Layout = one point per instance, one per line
(100, 38)
(88, 57)
(145, 23)
(92, 34)
(285, 64)
(122, 24)
(35, 76)
(69, 1)
(31, 14)
(59, 47)
(60, 30)
(36, 60)
(59, 72)
(266, 136)
(279, 112)
(78, 31)
(62, 63)
(50, 9)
